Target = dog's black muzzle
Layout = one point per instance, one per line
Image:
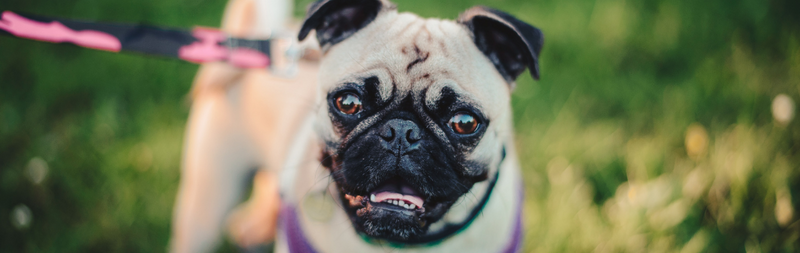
(397, 179)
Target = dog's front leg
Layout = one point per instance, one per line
(217, 158)
(216, 164)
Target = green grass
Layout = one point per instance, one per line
(602, 135)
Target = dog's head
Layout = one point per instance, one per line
(413, 111)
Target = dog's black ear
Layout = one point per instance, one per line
(509, 43)
(335, 20)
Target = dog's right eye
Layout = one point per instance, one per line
(464, 123)
(348, 103)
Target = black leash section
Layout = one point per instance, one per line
(199, 45)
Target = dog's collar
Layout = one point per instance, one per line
(297, 242)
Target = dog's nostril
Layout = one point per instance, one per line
(388, 136)
(412, 136)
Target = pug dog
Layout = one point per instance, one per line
(399, 139)
(409, 146)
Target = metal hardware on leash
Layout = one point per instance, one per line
(286, 52)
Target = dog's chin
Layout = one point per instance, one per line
(387, 221)
(393, 212)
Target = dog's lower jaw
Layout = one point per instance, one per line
(387, 222)
(382, 220)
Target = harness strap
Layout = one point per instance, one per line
(290, 227)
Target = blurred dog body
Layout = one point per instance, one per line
(241, 120)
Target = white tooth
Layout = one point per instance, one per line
(372, 198)
(407, 206)
(397, 203)
(413, 206)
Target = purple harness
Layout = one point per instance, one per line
(297, 242)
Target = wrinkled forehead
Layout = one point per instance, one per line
(415, 56)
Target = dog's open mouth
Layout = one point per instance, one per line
(394, 210)
(397, 194)
(393, 194)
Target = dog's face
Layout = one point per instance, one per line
(413, 111)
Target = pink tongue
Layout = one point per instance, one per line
(381, 196)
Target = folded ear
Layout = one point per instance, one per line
(509, 43)
(335, 20)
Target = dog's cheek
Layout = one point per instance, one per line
(326, 130)
(363, 164)
(434, 213)
(434, 173)
(479, 159)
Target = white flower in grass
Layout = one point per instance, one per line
(783, 109)
(36, 170)
(783, 206)
(21, 217)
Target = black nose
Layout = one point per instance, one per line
(400, 135)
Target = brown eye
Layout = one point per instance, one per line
(348, 103)
(463, 123)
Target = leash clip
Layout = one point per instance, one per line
(286, 52)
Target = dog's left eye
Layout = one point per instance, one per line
(464, 123)
(348, 103)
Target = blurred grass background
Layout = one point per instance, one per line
(652, 129)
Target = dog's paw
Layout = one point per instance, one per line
(255, 222)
